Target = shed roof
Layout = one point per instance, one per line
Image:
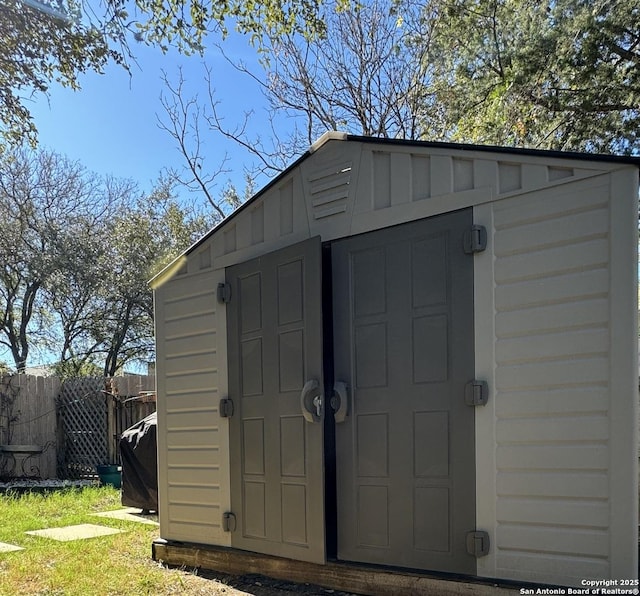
(341, 136)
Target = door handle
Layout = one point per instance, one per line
(340, 401)
(317, 403)
(311, 396)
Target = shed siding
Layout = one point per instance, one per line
(550, 417)
(555, 337)
(193, 445)
(624, 374)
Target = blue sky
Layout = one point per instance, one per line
(110, 125)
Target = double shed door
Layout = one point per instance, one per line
(404, 439)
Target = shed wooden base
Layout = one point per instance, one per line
(360, 579)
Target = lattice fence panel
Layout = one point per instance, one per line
(82, 412)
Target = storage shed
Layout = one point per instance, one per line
(413, 355)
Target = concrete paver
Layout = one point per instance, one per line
(79, 532)
(130, 514)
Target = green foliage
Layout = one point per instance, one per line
(559, 74)
(185, 24)
(77, 367)
(38, 49)
(562, 74)
(47, 41)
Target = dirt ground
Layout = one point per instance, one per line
(218, 584)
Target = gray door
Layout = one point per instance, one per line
(403, 345)
(275, 382)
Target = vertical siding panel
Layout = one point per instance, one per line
(271, 223)
(441, 175)
(204, 258)
(462, 175)
(257, 225)
(193, 452)
(509, 177)
(420, 177)
(534, 175)
(230, 243)
(485, 173)
(286, 209)
(624, 373)
(243, 227)
(400, 178)
(381, 180)
(363, 202)
(562, 259)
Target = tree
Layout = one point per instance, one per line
(41, 44)
(552, 75)
(45, 41)
(183, 117)
(555, 75)
(74, 290)
(41, 195)
(141, 241)
(364, 75)
(77, 254)
(99, 298)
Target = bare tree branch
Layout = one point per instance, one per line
(184, 118)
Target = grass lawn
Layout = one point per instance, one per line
(107, 565)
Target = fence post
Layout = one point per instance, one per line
(111, 423)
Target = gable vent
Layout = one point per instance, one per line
(329, 190)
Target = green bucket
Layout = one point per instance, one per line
(110, 475)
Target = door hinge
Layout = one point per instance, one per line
(228, 521)
(226, 408)
(475, 239)
(476, 393)
(478, 543)
(224, 293)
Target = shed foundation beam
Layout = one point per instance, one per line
(359, 579)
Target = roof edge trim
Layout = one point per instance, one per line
(168, 272)
(549, 153)
(330, 135)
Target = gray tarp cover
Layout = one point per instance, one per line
(139, 457)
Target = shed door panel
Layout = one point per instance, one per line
(274, 348)
(403, 343)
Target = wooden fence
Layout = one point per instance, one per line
(28, 419)
(50, 429)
